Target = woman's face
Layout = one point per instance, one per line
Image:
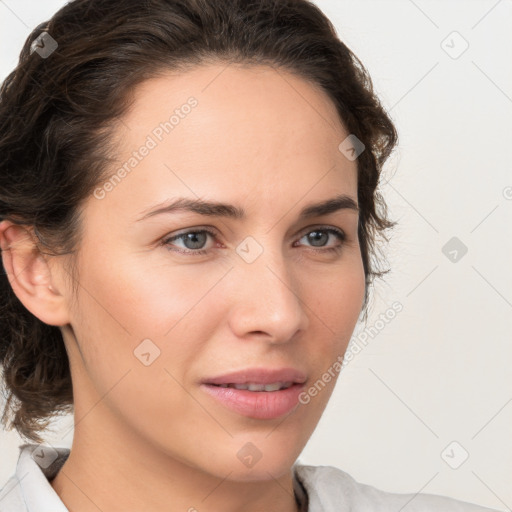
(158, 319)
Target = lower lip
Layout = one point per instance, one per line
(263, 405)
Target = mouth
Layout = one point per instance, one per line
(258, 393)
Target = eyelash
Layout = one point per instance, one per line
(167, 241)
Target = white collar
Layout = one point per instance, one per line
(33, 477)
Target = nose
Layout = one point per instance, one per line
(266, 299)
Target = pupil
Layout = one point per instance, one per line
(191, 237)
(314, 238)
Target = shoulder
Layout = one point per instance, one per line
(330, 489)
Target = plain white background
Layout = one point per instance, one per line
(432, 386)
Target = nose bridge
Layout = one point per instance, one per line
(267, 297)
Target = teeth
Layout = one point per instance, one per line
(240, 386)
(250, 386)
(269, 387)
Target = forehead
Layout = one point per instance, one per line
(253, 104)
(253, 131)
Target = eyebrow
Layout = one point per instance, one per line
(217, 209)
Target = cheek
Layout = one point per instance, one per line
(345, 302)
(336, 297)
(145, 294)
(134, 308)
(336, 305)
(136, 331)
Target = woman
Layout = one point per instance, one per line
(188, 216)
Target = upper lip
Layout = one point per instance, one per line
(259, 376)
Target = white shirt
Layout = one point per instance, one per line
(317, 489)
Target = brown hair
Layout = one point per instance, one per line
(58, 111)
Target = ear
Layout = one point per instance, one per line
(29, 275)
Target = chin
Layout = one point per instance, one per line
(261, 471)
(265, 456)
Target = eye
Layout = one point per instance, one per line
(322, 233)
(194, 240)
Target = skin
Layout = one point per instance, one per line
(262, 139)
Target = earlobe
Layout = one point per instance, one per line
(29, 274)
